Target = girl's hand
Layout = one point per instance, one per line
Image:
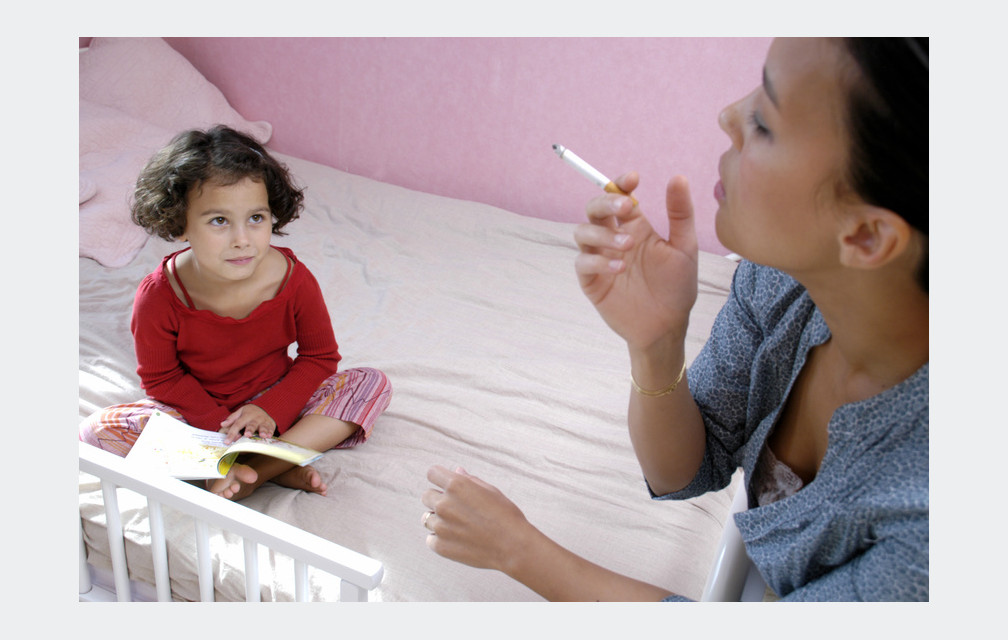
(250, 419)
(642, 285)
(471, 521)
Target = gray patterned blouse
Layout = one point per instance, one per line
(859, 530)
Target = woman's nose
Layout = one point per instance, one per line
(731, 118)
(728, 120)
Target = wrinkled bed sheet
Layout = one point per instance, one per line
(499, 364)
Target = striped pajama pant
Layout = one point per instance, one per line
(357, 396)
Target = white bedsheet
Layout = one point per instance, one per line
(498, 364)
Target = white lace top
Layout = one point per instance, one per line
(773, 479)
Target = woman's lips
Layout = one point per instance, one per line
(719, 192)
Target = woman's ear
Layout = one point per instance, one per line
(873, 237)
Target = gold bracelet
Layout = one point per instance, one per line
(663, 392)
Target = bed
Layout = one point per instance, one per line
(498, 364)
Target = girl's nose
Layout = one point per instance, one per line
(239, 235)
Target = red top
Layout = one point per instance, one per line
(207, 366)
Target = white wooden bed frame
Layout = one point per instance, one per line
(358, 573)
(731, 577)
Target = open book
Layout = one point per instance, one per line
(185, 452)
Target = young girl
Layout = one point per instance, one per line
(213, 323)
(815, 378)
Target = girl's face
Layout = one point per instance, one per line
(229, 229)
(776, 197)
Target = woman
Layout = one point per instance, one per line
(815, 378)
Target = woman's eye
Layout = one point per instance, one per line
(757, 124)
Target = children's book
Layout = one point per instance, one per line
(185, 452)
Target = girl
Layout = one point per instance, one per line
(815, 377)
(213, 323)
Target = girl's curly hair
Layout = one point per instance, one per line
(192, 158)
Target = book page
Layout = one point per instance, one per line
(186, 452)
(177, 449)
(277, 448)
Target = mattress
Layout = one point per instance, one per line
(499, 364)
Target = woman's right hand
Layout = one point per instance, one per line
(642, 285)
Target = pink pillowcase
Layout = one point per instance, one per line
(135, 95)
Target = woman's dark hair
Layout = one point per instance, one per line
(888, 120)
(192, 158)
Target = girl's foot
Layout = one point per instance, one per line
(239, 482)
(303, 478)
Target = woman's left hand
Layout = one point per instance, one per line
(250, 420)
(471, 521)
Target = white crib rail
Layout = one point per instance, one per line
(358, 573)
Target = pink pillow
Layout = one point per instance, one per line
(135, 95)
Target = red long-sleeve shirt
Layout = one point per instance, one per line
(207, 366)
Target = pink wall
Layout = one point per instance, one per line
(475, 118)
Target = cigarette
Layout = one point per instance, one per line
(588, 171)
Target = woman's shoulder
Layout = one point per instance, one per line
(761, 281)
(768, 295)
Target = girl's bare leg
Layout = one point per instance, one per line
(313, 431)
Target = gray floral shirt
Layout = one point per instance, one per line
(859, 530)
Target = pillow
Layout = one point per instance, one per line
(135, 95)
(114, 147)
(87, 190)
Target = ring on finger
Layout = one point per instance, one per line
(426, 517)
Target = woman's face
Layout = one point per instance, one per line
(776, 195)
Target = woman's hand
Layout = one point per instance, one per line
(471, 521)
(250, 419)
(642, 285)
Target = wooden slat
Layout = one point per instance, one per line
(159, 551)
(203, 559)
(117, 547)
(363, 572)
(251, 571)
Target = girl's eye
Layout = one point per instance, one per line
(218, 221)
(757, 124)
(257, 218)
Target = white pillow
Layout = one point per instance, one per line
(135, 95)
